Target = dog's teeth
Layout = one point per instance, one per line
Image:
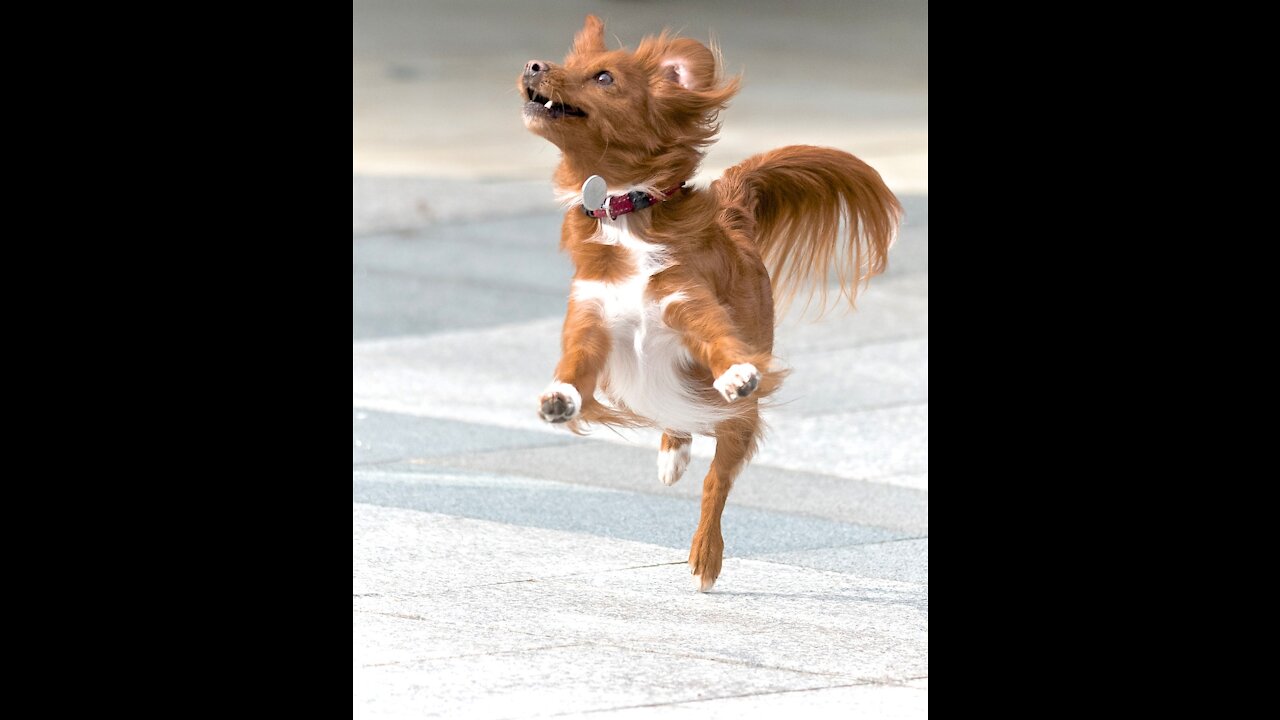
(548, 105)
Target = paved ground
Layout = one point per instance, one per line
(503, 568)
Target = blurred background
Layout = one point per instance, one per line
(505, 568)
(434, 90)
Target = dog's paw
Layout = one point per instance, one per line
(672, 463)
(560, 403)
(705, 556)
(738, 381)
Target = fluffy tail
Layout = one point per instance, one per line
(809, 209)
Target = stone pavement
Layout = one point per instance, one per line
(504, 568)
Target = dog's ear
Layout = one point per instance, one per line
(689, 64)
(686, 77)
(590, 39)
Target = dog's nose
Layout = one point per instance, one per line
(534, 68)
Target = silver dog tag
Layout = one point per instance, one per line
(594, 193)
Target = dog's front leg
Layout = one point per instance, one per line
(584, 347)
(712, 339)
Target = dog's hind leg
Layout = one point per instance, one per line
(673, 456)
(735, 443)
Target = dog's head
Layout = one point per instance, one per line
(626, 110)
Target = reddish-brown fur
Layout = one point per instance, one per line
(772, 224)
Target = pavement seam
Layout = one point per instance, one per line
(657, 493)
(771, 557)
(406, 616)
(471, 655)
(898, 682)
(579, 574)
(599, 488)
(429, 461)
(515, 582)
(729, 697)
(446, 462)
(374, 463)
(877, 478)
(701, 455)
(838, 547)
(727, 661)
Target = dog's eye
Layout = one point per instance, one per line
(604, 78)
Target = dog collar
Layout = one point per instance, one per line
(597, 203)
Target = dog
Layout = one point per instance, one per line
(671, 309)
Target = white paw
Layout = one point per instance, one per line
(672, 463)
(702, 585)
(560, 402)
(738, 381)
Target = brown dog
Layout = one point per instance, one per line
(671, 312)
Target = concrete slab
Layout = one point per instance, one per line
(379, 437)
(604, 464)
(882, 702)
(888, 445)
(905, 560)
(550, 622)
(870, 376)
(380, 639)
(889, 309)
(759, 613)
(517, 251)
(551, 681)
(401, 554)
(667, 521)
(385, 304)
(393, 204)
(492, 375)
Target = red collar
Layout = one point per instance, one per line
(615, 205)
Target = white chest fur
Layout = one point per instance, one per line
(646, 363)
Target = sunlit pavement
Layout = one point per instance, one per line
(506, 568)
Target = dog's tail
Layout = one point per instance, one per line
(810, 209)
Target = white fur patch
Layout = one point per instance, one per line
(666, 302)
(672, 464)
(568, 391)
(731, 383)
(700, 585)
(644, 369)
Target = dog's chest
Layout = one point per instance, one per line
(645, 369)
(627, 308)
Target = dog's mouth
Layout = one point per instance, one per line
(546, 107)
